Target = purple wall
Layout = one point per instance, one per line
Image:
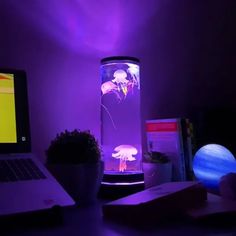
(186, 48)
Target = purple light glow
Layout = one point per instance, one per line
(78, 25)
(61, 41)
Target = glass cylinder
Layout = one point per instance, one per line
(120, 115)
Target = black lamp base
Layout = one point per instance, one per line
(120, 184)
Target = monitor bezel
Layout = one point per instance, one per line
(22, 114)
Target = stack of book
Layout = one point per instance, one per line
(173, 137)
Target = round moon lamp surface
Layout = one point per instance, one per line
(211, 162)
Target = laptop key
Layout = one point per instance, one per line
(19, 169)
(7, 171)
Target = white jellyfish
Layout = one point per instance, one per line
(120, 77)
(124, 153)
(133, 70)
(121, 81)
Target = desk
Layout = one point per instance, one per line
(88, 221)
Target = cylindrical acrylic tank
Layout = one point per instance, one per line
(120, 116)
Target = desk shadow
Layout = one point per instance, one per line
(146, 222)
(32, 220)
(180, 223)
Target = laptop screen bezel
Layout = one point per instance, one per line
(23, 144)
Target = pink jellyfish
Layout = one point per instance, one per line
(124, 153)
(108, 87)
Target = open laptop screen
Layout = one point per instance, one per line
(14, 116)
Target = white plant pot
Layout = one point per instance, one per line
(81, 181)
(157, 173)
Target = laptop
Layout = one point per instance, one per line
(25, 184)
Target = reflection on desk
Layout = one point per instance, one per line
(88, 220)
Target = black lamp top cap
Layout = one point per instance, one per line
(117, 58)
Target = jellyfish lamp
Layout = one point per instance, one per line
(121, 120)
(210, 163)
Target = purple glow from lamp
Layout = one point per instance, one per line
(120, 115)
(73, 24)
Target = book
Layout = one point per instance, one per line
(188, 146)
(172, 137)
(157, 203)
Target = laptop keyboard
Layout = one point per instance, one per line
(19, 169)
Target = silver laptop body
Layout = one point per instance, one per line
(25, 184)
(28, 191)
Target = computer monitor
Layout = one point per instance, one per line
(14, 115)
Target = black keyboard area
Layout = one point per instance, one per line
(20, 169)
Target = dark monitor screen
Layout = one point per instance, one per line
(14, 115)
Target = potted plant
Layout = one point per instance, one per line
(74, 158)
(157, 168)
